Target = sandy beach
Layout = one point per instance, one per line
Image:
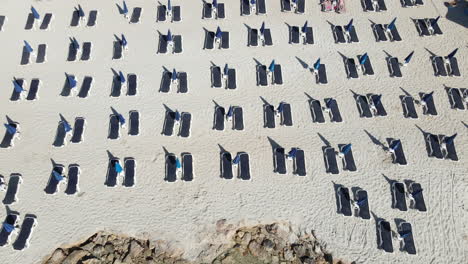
(185, 213)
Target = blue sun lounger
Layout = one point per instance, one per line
(367, 66)
(253, 37)
(262, 78)
(8, 227)
(452, 67)
(351, 70)
(85, 87)
(375, 101)
(208, 9)
(113, 171)
(348, 159)
(86, 54)
(53, 184)
(344, 201)
(384, 236)
(187, 167)
(279, 158)
(406, 233)
(429, 107)
(134, 123)
(362, 200)
(92, 18)
(238, 120)
(399, 196)
(7, 141)
(334, 110)
(409, 109)
(11, 195)
(440, 69)
(73, 179)
(449, 152)
(136, 14)
(433, 146)
(165, 82)
(183, 82)
(60, 135)
(338, 34)
(456, 99)
(398, 155)
(416, 191)
(114, 127)
(185, 123)
(226, 165)
(171, 168)
(286, 115)
(363, 106)
(216, 77)
(394, 67)
(321, 77)
(33, 90)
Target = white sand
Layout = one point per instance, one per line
(186, 212)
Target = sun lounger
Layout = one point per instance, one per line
(26, 230)
(363, 106)
(449, 152)
(46, 21)
(331, 165)
(316, 111)
(261, 7)
(161, 13)
(433, 146)
(262, 78)
(348, 159)
(452, 67)
(422, 27)
(398, 155)
(136, 14)
(134, 123)
(33, 90)
(407, 3)
(16, 95)
(438, 64)
(7, 141)
(85, 87)
(435, 26)
(67, 86)
(216, 77)
(429, 108)
(187, 167)
(362, 201)
(231, 80)
(129, 176)
(183, 82)
(166, 82)
(185, 122)
(344, 201)
(299, 163)
(245, 7)
(75, 21)
(394, 34)
(118, 50)
(177, 44)
(8, 226)
(169, 122)
(226, 165)
(409, 110)
(176, 14)
(267, 37)
(253, 37)
(29, 22)
(353, 37)
(367, 5)
(394, 67)
(321, 77)
(406, 233)
(92, 18)
(334, 111)
(338, 33)
(351, 70)
(86, 55)
(209, 40)
(25, 56)
(367, 67)
(417, 193)
(277, 75)
(244, 166)
(2, 22)
(73, 179)
(238, 120)
(11, 195)
(456, 99)
(131, 84)
(219, 115)
(53, 184)
(41, 53)
(385, 236)
(268, 116)
(114, 127)
(377, 104)
(399, 196)
(280, 160)
(294, 35)
(72, 52)
(286, 115)
(225, 40)
(78, 130)
(112, 178)
(380, 32)
(60, 135)
(208, 11)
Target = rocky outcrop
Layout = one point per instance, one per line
(274, 243)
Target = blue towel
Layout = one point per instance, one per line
(35, 13)
(10, 129)
(9, 228)
(57, 176)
